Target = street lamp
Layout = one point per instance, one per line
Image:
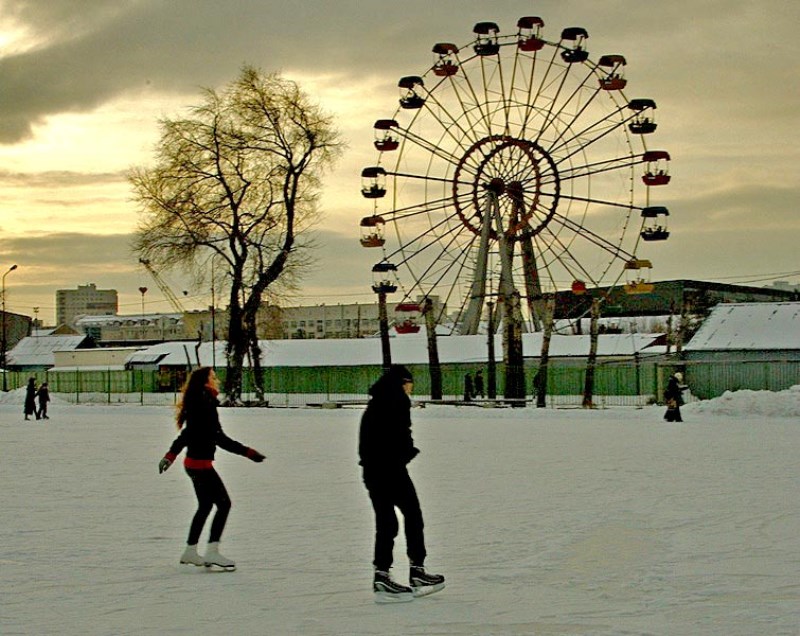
(143, 291)
(4, 343)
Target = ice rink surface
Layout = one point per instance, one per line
(544, 521)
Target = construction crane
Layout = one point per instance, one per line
(168, 294)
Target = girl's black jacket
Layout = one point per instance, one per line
(385, 436)
(203, 432)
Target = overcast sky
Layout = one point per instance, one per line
(83, 83)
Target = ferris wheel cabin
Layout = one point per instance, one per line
(445, 65)
(409, 98)
(382, 282)
(638, 270)
(578, 287)
(613, 67)
(373, 182)
(656, 172)
(576, 53)
(529, 33)
(654, 223)
(486, 42)
(407, 318)
(385, 141)
(372, 231)
(643, 123)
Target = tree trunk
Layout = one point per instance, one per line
(235, 349)
(591, 361)
(514, 389)
(383, 319)
(491, 373)
(540, 381)
(435, 369)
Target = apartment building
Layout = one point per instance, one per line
(86, 300)
(354, 320)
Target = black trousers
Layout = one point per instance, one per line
(210, 492)
(387, 491)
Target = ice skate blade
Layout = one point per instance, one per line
(427, 590)
(199, 565)
(216, 567)
(388, 597)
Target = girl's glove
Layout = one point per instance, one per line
(255, 456)
(165, 463)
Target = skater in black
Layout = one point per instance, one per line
(43, 395)
(200, 434)
(673, 395)
(30, 399)
(385, 448)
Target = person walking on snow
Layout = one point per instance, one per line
(385, 448)
(43, 395)
(673, 395)
(30, 399)
(200, 434)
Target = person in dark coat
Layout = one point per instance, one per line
(469, 388)
(43, 395)
(673, 395)
(385, 448)
(479, 384)
(200, 434)
(30, 399)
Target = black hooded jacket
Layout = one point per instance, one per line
(385, 440)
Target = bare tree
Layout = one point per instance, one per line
(237, 180)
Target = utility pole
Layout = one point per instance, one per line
(5, 340)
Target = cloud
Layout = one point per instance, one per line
(723, 73)
(86, 55)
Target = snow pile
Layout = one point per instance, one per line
(746, 402)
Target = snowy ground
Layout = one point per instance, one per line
(607, 522)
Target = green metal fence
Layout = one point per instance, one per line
(628, 382)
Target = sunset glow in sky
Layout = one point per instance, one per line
(83, 85)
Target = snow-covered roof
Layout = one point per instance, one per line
(749, 326)
(406, 349)
(37, 351)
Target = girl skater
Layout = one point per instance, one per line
(200, 434)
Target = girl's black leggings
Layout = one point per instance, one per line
(210, 492)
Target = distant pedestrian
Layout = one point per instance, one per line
(43, 395)
(200, 434)
(30, 399)
(673, 396)
(479, 384)
(469, 388)
(385, 447)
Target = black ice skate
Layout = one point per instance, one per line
(389, 591)
(423, 583)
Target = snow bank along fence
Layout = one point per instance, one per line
(617, 383)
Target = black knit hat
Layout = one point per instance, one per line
(401, 373)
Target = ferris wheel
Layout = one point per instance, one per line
(514, 164)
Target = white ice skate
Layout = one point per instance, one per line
(191, 557)
(215, 560)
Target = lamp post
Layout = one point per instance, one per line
(143, 291)
(5, 341)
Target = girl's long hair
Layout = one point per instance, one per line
(192, 393)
